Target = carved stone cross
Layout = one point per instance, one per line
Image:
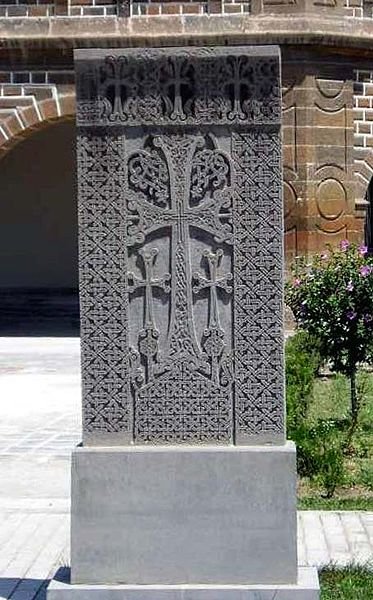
(148, 336)
(201, 282)
(214, 334)
(191, 173)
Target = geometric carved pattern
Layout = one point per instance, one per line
(181, 246)
(258, 300)
(103, 297)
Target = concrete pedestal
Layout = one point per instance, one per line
(184, 515)
(306, 588)
(184, 523)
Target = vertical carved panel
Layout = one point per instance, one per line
(258, 286)
(318, 130)
(181, 251)
(103, 297)
(181, 184)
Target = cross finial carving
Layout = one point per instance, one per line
(148, 336)
(201, 282)
(214, 334)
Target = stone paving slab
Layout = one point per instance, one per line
(39, 395)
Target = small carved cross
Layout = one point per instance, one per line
(214, 334)
(177, 82)
(116, 82)
(201, 282)
(237, 81)
(148, 283)
(148, 336)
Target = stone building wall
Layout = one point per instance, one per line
(327, 85)
(355, 8)
(319, 187)
(106, 8)
(363, 133)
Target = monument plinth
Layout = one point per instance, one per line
(184, 485)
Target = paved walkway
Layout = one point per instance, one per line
(40, 424)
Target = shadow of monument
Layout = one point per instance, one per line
(30, 589)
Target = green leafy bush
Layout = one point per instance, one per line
(302, 364)
(366, 474)
(332, 299)
(320, 446)
(329, 450)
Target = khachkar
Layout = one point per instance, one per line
(184, 484)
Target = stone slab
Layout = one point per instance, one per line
(306, 588)
(184, 515)
(180, 196)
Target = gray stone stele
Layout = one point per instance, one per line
(184, 486)
(181, 245)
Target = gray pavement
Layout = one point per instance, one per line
(40, 424)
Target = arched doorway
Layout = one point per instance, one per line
(368, 225)
(38, 235)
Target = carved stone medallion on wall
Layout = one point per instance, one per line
(180, 245)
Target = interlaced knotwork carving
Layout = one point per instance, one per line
(209, 173)
(258, 297)
(181, 245)
(149, 174)
(107, 363)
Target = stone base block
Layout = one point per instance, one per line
(306, 588)
(184, 515)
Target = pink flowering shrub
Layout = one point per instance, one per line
(332, 299)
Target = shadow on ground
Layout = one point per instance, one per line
(39, 312)
(30, 589)
(27, 589)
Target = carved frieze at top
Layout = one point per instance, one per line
(178, 86)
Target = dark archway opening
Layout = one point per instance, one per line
(368, 225)
(39, 235)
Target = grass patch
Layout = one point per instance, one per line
(330, 401)
(349, 583)
(337, 503)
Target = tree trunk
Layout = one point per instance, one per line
(354, 398)
(354, 413)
